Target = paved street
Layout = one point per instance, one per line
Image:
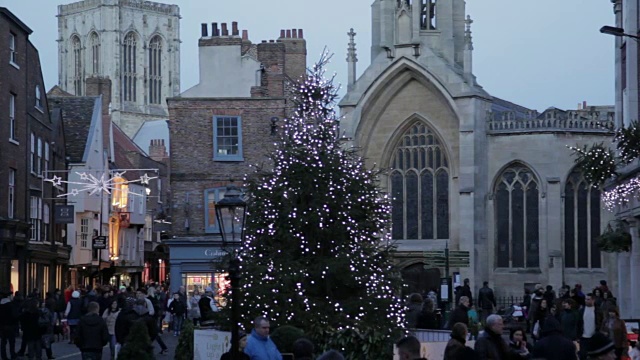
(64, 350)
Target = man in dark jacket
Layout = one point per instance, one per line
(490, 344)
(125, 320)
(460, 314)
(93, 334)
(486, 301)
(8, 327)
(409, 348)
(552, 345)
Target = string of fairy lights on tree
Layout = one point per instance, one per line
(315, 254)
(600, 163)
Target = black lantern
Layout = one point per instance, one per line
(229, 210)
(233, 208)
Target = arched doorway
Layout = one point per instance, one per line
(419, 280)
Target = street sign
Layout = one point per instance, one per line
(99, 242)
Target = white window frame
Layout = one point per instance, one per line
(46, 214)
(12, 118)
(218, 155)
(84, 232)
(12, 50)
(33, 153)
(38, 98)
(45, 168)
(12, 194)
(36, 217)
(39, 159)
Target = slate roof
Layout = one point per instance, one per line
(127, 155)
(77, 113)
(499, 105)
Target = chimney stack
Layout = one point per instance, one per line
(234, 29)
(300, 36)
(158, 150)
(245, 34)
(204, 30)
(288, 34)
(294, 33)
(225, 31)
(214, 29)
(584, 104)
(282, 33)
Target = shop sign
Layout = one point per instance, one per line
(64, 214)
(213, 253)
(210, 344)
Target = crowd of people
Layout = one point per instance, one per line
(94, 317)
(568, 325)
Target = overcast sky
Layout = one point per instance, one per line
(535, 53)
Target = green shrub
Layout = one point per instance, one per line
(138, 344)
(184, 350)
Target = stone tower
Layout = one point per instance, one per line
(133, 43)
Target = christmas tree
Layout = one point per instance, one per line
(138, 345)
(316, 253)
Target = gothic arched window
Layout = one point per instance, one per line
(419, 185)
(129, 75)
(155, 70)
(95, 53)
(77, 65)
(581, 223)
(517, 215)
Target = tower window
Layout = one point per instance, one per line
(77, 62)
(155, 70)
(129, 74)
(95, 53)
(428, 15)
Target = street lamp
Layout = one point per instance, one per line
(616, 31)
(235, 208)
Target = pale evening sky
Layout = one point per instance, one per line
(535, 53)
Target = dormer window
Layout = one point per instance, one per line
(38, 97)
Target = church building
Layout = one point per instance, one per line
(468, 170)
(133, 43)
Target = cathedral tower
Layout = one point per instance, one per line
(133, 43)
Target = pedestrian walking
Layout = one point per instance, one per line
(461, 313)
(73, 313)
(31, 330)
(152, 329)
(124, 321)
(46, 321)
(589, 322)
(110, 316)
(486, 301)
(194, 311)
(408, 349)
(456, 348)
(490, 344)
(600, 348)
(569, 319)
(414, 307)
(93, 334)
(177, 309)
(552, 344)
(259, 345)
(9, 317)
(207, 305)
(616, 329)
(518, 343)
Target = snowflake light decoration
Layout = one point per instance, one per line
(93, 185)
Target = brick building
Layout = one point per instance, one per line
(33, 251)
(218, 129)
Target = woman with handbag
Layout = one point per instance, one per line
(194, 310)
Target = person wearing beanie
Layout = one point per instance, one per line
(600, 347)
(73, 314)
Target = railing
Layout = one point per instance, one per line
(549, 125)
(505, 302)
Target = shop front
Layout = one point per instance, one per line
(196, 265)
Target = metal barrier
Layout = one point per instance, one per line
(432, 335)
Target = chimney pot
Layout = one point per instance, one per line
(300, 36)
(264, 41)
(245, 34)
(225, 31)
(288, 34)
(584, 104)
(204, 30)
(282, 33)
(294, 33)
(272, 41)
(234, 29)
(214, 29)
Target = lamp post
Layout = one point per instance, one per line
(232, 207)
(616, 31)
